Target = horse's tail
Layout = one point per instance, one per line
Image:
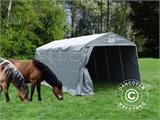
(12, 73)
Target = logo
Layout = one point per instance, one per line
(131, 95)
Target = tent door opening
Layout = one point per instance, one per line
(113, 63)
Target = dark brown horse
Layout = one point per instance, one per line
(35, 72)
(9, 73)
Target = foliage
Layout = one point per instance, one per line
(145, 18)
(137, 21)
(89, 17)
(30, 24)
(26, 25)
(102, 105)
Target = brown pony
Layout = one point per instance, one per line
(9, 73)
(35, 72)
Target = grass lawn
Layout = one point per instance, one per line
(100, 106)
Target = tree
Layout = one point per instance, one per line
(99, 16)
(145, 18)
(30, 24)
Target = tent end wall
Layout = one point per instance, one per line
(113, 63)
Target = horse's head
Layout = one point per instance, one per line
(23, 93)
(57, 90)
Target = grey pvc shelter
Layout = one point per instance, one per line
(79, 61)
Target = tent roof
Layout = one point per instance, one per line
(78, 42)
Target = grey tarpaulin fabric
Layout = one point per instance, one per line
(73, 60)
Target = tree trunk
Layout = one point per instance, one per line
(9, 10)
(73, 21)
(101, 15)
(122, 20)
(107, 15)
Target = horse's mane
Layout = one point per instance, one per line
(12, 73)
(47, 74)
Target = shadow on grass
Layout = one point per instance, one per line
(104, 85)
